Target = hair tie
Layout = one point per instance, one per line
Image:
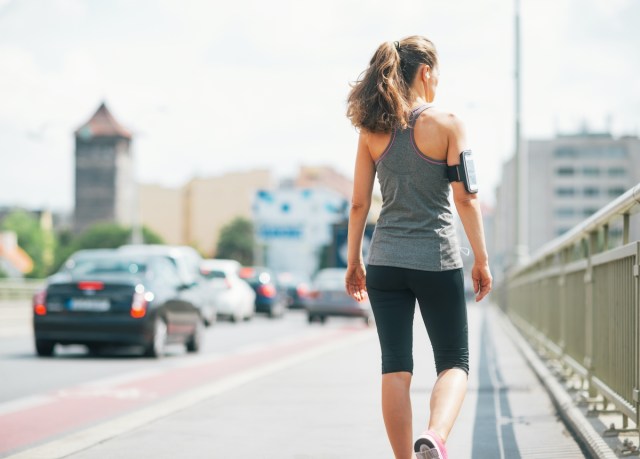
(397, 45)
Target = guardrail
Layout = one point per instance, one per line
(19, 289)
(578, 299)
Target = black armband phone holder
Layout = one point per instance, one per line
(464, 172)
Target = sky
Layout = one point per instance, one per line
(209, 87)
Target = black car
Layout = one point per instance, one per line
(103, 298)
(270, 296)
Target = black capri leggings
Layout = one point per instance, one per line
(440, 294)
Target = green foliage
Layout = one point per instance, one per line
(103, 236)
(3, 274)
(237, 241)
(151, 237)
(37, 242)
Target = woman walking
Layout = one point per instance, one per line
(414, 254)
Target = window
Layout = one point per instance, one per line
(565, 212)
(565, 171)
(591, 191)
(591, 171)
(561, 231)
(565, 191)
(615, 152)
(617, 172)
(589, 211)
(564, 152)
(615, 192)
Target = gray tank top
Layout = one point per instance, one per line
(415, 229)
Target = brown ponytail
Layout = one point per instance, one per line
(379, 100)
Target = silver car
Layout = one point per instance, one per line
(328, 297)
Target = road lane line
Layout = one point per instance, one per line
(74, 406)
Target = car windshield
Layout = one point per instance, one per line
(330, 279)
(213, 273)
(106, 265)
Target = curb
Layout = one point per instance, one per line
(587, 437)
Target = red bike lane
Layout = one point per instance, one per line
(71, 409)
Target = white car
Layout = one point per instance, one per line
(234, 298)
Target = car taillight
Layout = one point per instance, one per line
(267, 290)
(141, 300)
(313, 294)
(246, 272)
(91, 285)
(40, 303)
(302, 290)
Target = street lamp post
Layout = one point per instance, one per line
(521, 250)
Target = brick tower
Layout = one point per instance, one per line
(105, 187)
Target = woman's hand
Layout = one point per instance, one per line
(482, 280)
(355, 281)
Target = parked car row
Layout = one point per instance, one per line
(154, 295)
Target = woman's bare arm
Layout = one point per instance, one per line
(468, 207)
(364, 177)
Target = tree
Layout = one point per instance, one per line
(237, 241)
(34, 240)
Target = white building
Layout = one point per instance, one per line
(568, 178)
(293, 225)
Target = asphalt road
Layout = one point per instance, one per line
(24, 374)
(270, 388)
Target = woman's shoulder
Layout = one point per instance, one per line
(442, 118)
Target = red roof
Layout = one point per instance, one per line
(103, 124)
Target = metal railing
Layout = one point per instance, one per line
(578, 299)
(19, 289)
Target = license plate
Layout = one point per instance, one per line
(89, 304)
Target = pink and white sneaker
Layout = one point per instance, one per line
(430, 442)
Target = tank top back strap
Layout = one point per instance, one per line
(416, 112)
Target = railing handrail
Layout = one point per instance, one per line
(627, 203)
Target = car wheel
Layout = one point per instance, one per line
(157, 344)
(368, 320)
(45, 348)
(311, 318)
(323, 319)
(195, 341)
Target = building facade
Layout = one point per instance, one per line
(104, 176)
(568, 178)
(195, 213)
(294, 225)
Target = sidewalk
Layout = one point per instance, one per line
(328, 407)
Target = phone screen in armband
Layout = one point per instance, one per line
(471, 181)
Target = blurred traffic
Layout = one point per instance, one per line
(151, 296)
